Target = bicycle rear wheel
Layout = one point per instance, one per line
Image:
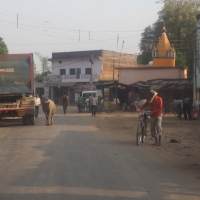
(139, 135)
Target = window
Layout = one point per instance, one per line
(62, 71)
(87, 70)
(154, 54)
(170, 53)
(72, 72)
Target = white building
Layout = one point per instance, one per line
(73, 72)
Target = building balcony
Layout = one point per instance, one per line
(75, 78)
(88, 76)
(68, 77)
(53, 78)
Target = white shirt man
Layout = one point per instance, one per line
(37, 104)
(37, 101)
(94, 102)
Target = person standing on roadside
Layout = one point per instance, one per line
(65, 103)
(187, 106)
(94, 102)
(80, 103)
(156, 104)
(90, 104)
(37, 104)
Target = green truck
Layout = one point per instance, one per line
(17, 87)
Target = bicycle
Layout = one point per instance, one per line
(195, 111)
(177, 109)
(144, 117)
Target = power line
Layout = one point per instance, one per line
(42, 29)
(64, 28)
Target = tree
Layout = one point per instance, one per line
(180, 59)
(3, 47)
(148, 38)
(179, 17)
(46, 69)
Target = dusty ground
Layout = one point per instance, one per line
(183, 157)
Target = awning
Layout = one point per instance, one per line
(59, 84)
(157, 84)
(111, 84)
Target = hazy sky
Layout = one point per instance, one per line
(47, 26)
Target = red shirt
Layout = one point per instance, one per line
(155, 106)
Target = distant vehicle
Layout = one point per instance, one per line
(87, 94)
(17, 87)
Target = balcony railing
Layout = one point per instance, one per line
(53, 78)
(69, 76)
(88, 76)
(59, 78)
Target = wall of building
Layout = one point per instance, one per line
(129, 76)
(164, 62)
(112, 60)
(108, 71)
(68, 64)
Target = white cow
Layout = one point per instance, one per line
(49, 108)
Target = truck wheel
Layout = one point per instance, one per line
(32, 120)
(25, 120)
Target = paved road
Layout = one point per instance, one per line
(74, 160)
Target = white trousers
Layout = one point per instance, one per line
(156, 126)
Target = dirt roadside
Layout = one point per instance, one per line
(182, 157)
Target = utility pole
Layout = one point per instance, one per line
(91, 78)
(196, 68)
(194, 73)
(17, 20)
(113, 71)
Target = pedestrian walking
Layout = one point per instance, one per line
(65, 103)
(156, 104)
(94, 102)
(37, 104)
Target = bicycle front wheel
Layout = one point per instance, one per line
(139, 135)
(143, 134)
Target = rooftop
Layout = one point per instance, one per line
(157, 84)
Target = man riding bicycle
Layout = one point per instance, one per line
(156, 104)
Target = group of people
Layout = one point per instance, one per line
(93, 102)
